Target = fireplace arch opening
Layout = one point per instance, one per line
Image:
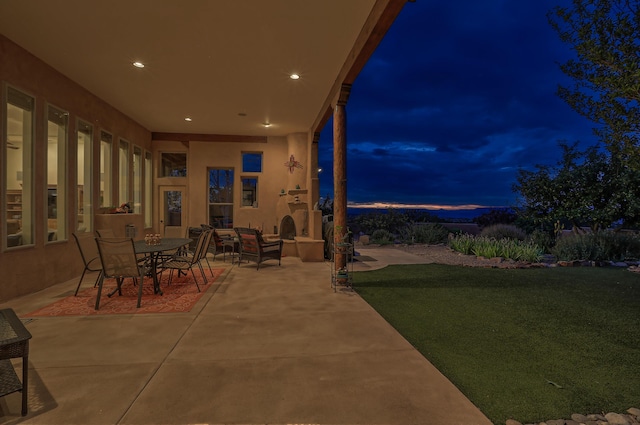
(287, 228)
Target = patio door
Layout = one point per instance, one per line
(172, 211)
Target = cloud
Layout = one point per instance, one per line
(457, 97)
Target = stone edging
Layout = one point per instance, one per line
(632, 417)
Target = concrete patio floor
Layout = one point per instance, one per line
(274, 346)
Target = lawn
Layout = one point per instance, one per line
(526, 344)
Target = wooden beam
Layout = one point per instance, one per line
(195, 137)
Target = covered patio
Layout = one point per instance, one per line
(157, 106)
(273, 346)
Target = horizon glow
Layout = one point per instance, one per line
(388, 205)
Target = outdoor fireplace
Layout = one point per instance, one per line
(287, 228)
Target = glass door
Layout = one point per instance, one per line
(172, 214)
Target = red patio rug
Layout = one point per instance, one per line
(179, 297)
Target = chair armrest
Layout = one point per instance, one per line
(273, 243)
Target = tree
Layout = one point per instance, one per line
(589, 188)
(605, 35)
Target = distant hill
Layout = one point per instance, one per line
(462, 215)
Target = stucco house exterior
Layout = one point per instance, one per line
(217, 122)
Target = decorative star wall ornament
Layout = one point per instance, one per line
(292, 164)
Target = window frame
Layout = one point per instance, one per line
(28, 201)
(105, 170)
(148, 189)
(138, 179)
(229, 204)
(87, 177)
(124, 176)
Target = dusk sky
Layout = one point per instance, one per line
(457, 97)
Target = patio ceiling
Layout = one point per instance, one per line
(223, 63)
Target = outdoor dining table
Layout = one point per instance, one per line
(154, 251)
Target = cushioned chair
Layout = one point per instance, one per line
(189, 260)
(119, 261)
(90, 257)
(254, 248)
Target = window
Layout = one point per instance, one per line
(106, 167)
(173, 165)
(137, 180)
(18, 167)
(148, 187)
(56, 173)
(250, 192)
(123, 161)
(251, 162)
(85, 158)
(220, 198)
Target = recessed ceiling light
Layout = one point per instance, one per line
(267, 124)
(138, 64)
(294, 76)
(188, 119)
(242, 114)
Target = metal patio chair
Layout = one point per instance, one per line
(191, 259)
(119, 261)
(90, 257)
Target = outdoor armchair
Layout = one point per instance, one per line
(254, 248)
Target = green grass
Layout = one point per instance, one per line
(503, 336)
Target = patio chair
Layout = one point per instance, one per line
(90, 257)
(215, 246)
(119, 261)
(191, 259)
(254, 248)
(175, 232)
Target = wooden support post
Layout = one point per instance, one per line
(340, 171)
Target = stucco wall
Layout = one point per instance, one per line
(275, 176)
(31, 268)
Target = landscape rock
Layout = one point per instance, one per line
(512, 422)
(579, 418)
(616, 419)
(634, 411)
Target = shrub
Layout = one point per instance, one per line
(382, 237)
(503, 231)
(486, 247)
(462, 242)
(428, 233)
(482, 246)
(543, 239)
(599, 246)
(496, 216)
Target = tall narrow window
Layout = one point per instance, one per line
(85, 157)
(106, 169)
(148, 187)
(56, 173)
(123, 175)
(137, 180)
(220, 198)
(18, 168)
